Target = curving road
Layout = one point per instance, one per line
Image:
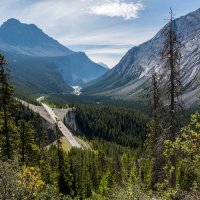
(48, 114)
(64, 130)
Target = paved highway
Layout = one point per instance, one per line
(64, 130)
(37, 109)
(47, 113)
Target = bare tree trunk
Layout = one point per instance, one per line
(172, 102)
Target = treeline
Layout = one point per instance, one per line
(123, 126)
(62, 99)
(28, 98)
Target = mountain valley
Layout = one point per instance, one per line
(132, 74)
(40, 64)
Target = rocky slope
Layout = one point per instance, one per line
(131, 75)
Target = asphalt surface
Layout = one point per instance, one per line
(48, 114)
(64, 130)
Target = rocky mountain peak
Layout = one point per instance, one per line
(28, 39)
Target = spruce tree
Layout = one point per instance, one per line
(22, 126)
(6, 93)
(64, 174)
(157, 136)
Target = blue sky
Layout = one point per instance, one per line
(104, 29)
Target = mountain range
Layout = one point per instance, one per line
(132, 74)
(40, 64)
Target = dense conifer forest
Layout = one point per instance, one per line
(123, 126)
(60, 100)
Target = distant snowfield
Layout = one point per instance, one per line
(77, 90)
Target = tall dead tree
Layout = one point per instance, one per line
(171, 58)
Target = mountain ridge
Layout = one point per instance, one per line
(30, 37)
(26, 43)
(131, 75)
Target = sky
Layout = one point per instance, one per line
(104, 29)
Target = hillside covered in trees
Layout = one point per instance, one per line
(123, 126)
(118, 165)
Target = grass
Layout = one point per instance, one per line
(66, 146)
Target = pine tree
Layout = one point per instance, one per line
(157, 137)
(22, 139)
(64, 175)
(41, 135)
(6, 92)
(28, 149)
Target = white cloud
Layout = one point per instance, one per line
(117, 8)
(107, 51)
(110, 56)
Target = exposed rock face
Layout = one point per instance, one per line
(131, 75)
